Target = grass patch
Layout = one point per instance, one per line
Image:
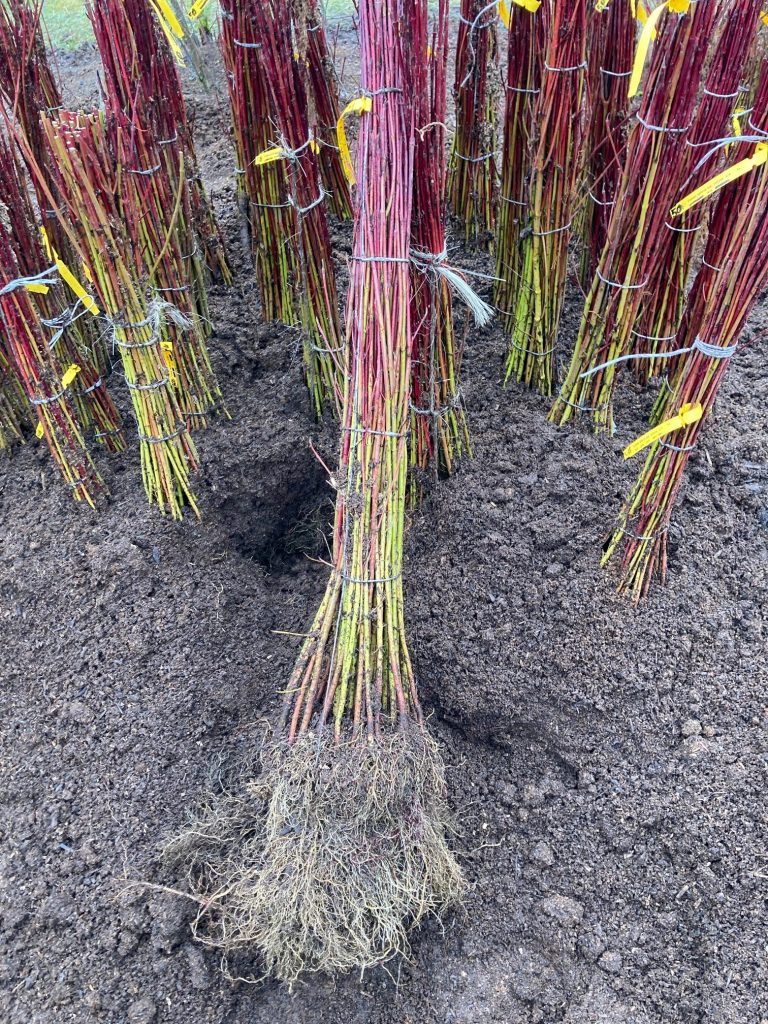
(68, 25)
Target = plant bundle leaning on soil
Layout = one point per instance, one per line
(46, 382)
(338, 847)
(262, 188)
(729, 283)
(324, 356)
(439, 433)
(611, 50)
(656, 153)
(27, 85)
(664, 299)
(157, 194)
(87, 160)
(472, 169)
(324, 93)
(528, 38)
(555, 171)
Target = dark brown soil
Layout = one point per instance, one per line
(607, 764)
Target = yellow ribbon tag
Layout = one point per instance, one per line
(723, 178)
(688, 414)
(271, 156)
(169, 31)
(39, 289)
(165, 9)
(39, 431)
(77, 288)
(197, 9)
(764, 17)
(170, 362)
(47, 244)
(361, 105)
(69, 375)
(602, 5)
(649, 22)
(504, 14)
(527, 5)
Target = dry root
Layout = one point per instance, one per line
(328, 858)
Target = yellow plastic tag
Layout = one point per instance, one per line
(361, 105)
(39, 289)
(69, 375)
(197, 9)
(723, 178)
(528, 5)
(39, 431)
(173, 22)
(47, 244)
(649, 33)
(77, 288)
(688, 414)
(602, 5)
(170, 362)
(269, 156)
(504, 13)
(764, 17)
(171, 36)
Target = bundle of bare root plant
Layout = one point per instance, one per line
(611, 48)
(664, 301)
(327, 859)
(472, 168)
(262, 187)
(528, 37)
(140, 82)
(27, 87)
(732, 277)
(324, 98)
(27, 278)
(653, 171)
(555, 169)
(439, 432)
(294, 144)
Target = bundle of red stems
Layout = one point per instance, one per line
(472, 170)
(262, 188)
(664, 298)
(732, 277)
(555, 169)
(656, 155)
(528, 38)
(439, 433)
(295, 144)
(610, 51)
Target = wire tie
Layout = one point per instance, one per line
(153, 439)
(618, 284)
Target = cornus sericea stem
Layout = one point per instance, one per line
(286, 75)
(439, 433)
(651, 178)
(87, 162)
(610, 50)
(554, 176)
(528, 36)
(472, 167)
(263, 188)
(733, 274)
(664, 300)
